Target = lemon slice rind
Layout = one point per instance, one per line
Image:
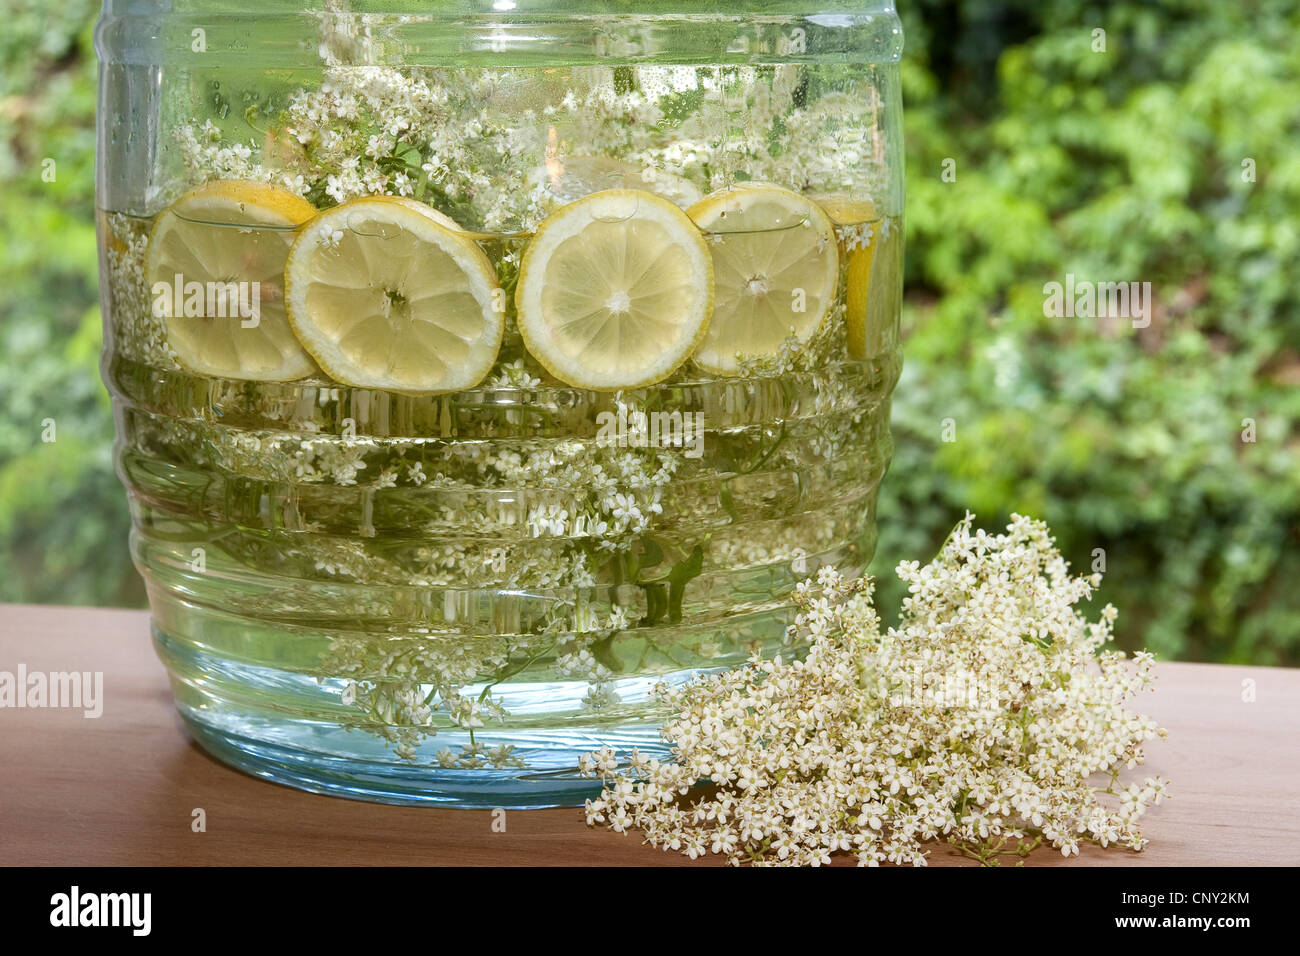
(857, 226)
(423, 208)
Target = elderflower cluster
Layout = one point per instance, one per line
(980, 720)
(478, 144)
(139, 334)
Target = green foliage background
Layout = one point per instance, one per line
(1125, 164)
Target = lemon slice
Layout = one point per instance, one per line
(857, 227)
(614, 290)
(385, 295)
(776, 263)
(573, 177)
(885, 292)
(221, 233)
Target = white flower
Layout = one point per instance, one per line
(978, 720)
(329, 238)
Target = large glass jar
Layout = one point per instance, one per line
(430, 493)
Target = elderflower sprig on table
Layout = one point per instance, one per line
(980, 720)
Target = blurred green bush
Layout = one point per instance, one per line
(1118, 165)
(63, 520)
(1114, 165)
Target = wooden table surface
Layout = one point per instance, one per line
(121, 789)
